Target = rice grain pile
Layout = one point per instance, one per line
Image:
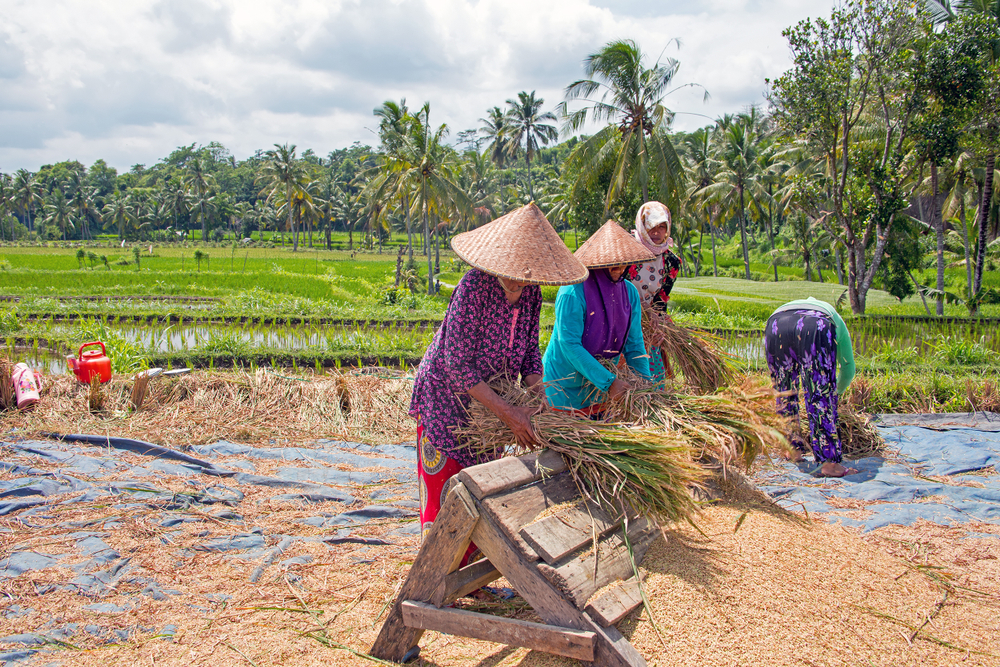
(695, 354)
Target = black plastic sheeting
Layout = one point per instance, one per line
(88, 468)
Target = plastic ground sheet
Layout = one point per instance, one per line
(62, 501)
(939, 468)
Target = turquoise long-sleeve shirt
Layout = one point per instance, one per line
(845, 350)
(572, 373)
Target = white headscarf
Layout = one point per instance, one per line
(652, 214)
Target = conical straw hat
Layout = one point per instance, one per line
(612, 246)
(521, 245)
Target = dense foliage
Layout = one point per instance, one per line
(874, 162)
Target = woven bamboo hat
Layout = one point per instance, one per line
(521, 245)
(612, 246)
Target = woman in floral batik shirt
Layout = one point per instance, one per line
(490, 329)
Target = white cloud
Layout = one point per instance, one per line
(129, 81)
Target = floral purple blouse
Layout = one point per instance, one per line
(474, 343)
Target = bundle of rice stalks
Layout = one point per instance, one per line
(695, 354)
(731, 426)
(6, 384)
(641, 470)
(858, 436)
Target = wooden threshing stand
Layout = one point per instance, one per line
(550, 561)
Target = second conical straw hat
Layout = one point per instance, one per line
(612, 246)
(521, 245)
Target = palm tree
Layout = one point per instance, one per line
(635, 145)
(59, 211)
(119, 213)
(6, 203)
(27, 193)
(697, 148)
(284, 174)
(394, 124)
(496, 128)
(736, 181)
(420, 165)
(199, 183)
(177, 204)
(82, 198)
(527, 125)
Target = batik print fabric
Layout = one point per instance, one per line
(655, 279)
(474, 343)
(434, 469)
(801, 345)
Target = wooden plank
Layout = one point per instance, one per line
(611, 649)
(513, 509)
(462, 582)
(440, 554)
(488, 479)
(555, 537)
(615, 603)
(535, 636)
(579, 579)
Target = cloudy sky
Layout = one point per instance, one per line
(129, 80)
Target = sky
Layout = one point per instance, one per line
(129, 80)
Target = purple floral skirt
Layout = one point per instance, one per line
(801, 345)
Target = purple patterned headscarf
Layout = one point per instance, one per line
(609, 313)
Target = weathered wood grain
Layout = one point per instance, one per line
(513, 509)
(559, 535)
(610, 650)
(488, 479)
(577, 644)
(440, 554)
(578, 578)
(615, 603)
(462, 582)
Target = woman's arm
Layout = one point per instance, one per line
(518, 420)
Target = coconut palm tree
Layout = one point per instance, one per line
(119, 212)
(635, 146)
(496, 128)
(27, 193)
(737, 178)
(527, 125)
(199, 183)
(59, 211)
(6, 203)
(283, 173)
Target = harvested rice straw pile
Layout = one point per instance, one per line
(7, 399)
(648, 471)
(704, 366)
(858, 436)
(732, 426)
(249, 407)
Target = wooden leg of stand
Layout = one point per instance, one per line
(439, 555)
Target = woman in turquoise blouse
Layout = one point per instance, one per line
(597, 319)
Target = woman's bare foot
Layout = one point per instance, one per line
(833, 469)
(793, 455)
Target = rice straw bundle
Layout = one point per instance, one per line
(645, 471)
(858, 436)
(734, 425)
(695, 354)
(6, 384)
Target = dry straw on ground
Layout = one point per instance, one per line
(250, 407)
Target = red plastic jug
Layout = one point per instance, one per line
(91, 363)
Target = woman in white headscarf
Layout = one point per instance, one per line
(654, 279)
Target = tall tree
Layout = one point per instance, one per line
(199, 183)
(850, 97)
(635, 146)
(528, 126)
(283, 174)
(27, 194)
